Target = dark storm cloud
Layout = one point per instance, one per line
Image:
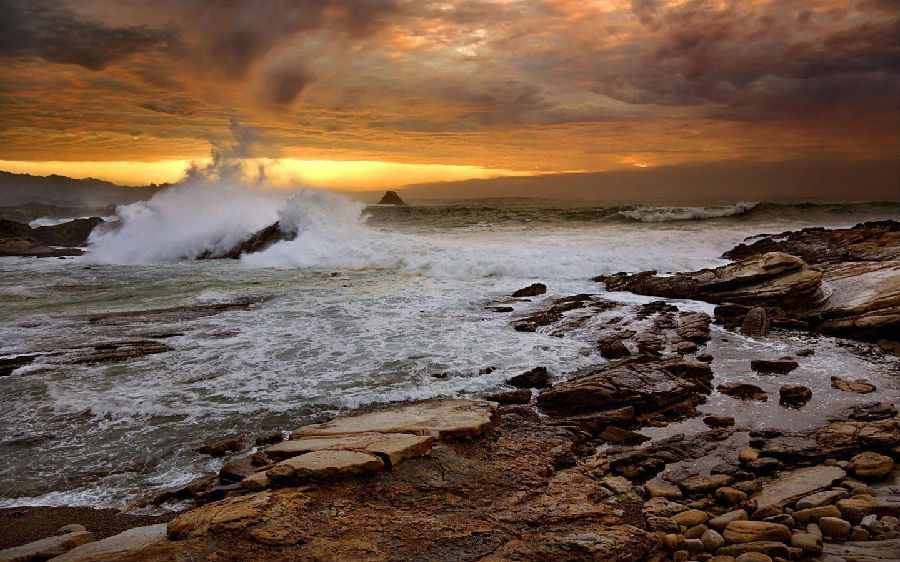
(286, 81)
(751, 59)
(53, 32)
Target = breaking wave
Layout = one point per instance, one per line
(668, 214)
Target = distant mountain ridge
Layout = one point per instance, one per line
(62, 191)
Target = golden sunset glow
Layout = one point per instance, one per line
(386, 94)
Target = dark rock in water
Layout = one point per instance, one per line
(499, 308)
(705, 357)
(859, 386)
(718, 421)
(552, 314)
(644, 382)
(391, 198)
(237, 470)
(17, 239)
(779, 366)
(256, 243)
(743, 391)
(613, 348)
(805, 352)
(10, 364)
(795, 396)
(269, 439)
(538, 377)
(223, 447)
(532, 290)
(872, 411)
(521, 396)
(110, 352)
(756, 323)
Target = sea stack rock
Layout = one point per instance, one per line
(391, 198)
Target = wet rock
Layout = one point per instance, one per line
(719, 523)
(747, 454)
(739, 532)
(704, 484)
(613, 348)
(834, 527)
(441, 419)
(237, 470)
(705, 358)
(867, 551)
(696, 531)
(614, 434)
(798, 484)
(520, 396)
(859, 386)
(756, 323)
(269, 439)
(863, 303)
(809, 543)
(827, 497)
(44, 549)
(646, 383)
(856, 507)
(805, 352)
(794, 396)
(661, 489)
(390, 198)
(743, 391)
(731, 495)
(538, 377)
(553, 314)
(499, 308)
(117, 547)
(778, 366)
(11, 363)
(532, 290)
(858, 534)
(691, 517)
(223, 447)
(813, 514)
(718, 421)
(872, 466)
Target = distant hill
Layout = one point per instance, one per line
(61, 191)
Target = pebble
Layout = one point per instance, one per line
(691, 517)
(712, 540)
(722, 521)
(731, 495)
(693, 545)
(695, 532)
(810, 543)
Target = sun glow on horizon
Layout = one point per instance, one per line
(345, 175)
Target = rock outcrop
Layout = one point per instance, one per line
(255, 243)
(17, 239)
(391, 198)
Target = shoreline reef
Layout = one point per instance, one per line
(592, 467)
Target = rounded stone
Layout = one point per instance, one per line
(739, 532)
(753, 557)
(731, 495)
(72, 528)
(695, 532)
(808, 542)
(872, 466)
(693, 545)
(834, 527)
(712, 540)
(691, 517)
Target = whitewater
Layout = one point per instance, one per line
(366, 305)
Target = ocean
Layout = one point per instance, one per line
(366, 306)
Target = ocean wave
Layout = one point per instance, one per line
(669, 214)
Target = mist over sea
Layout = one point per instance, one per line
(363, 307)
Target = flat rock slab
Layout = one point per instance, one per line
(441, 419)
(116, 547)
(44, 549)
(320, 465)
(868, 551)
(798, 484)
(391, 447)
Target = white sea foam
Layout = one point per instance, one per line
(668, 214)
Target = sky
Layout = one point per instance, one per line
(385, 93)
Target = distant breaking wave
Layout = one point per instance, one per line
(669, 214)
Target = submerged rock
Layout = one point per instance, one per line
(779, 366)
(537, 377)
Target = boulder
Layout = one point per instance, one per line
(743, 391)
(704, 484)
(391, 198)
(756, 322)
(441, 419)
(794, 396)
(691, 517)
(227, 514)
(519, 396)
(257, 242)
(662, 489)
(719, 523)
(718, 421)
(731, 495)
(739, 532)
(532, 290)
(872, 466)
(779, 366)
(827, 497)
(47, 548)
(809, 543)
(834, 527)
(813, 514)
(856, 507)
(222, 447)
(712, 540)
(538, 377)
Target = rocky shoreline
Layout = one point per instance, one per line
(684, 445)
